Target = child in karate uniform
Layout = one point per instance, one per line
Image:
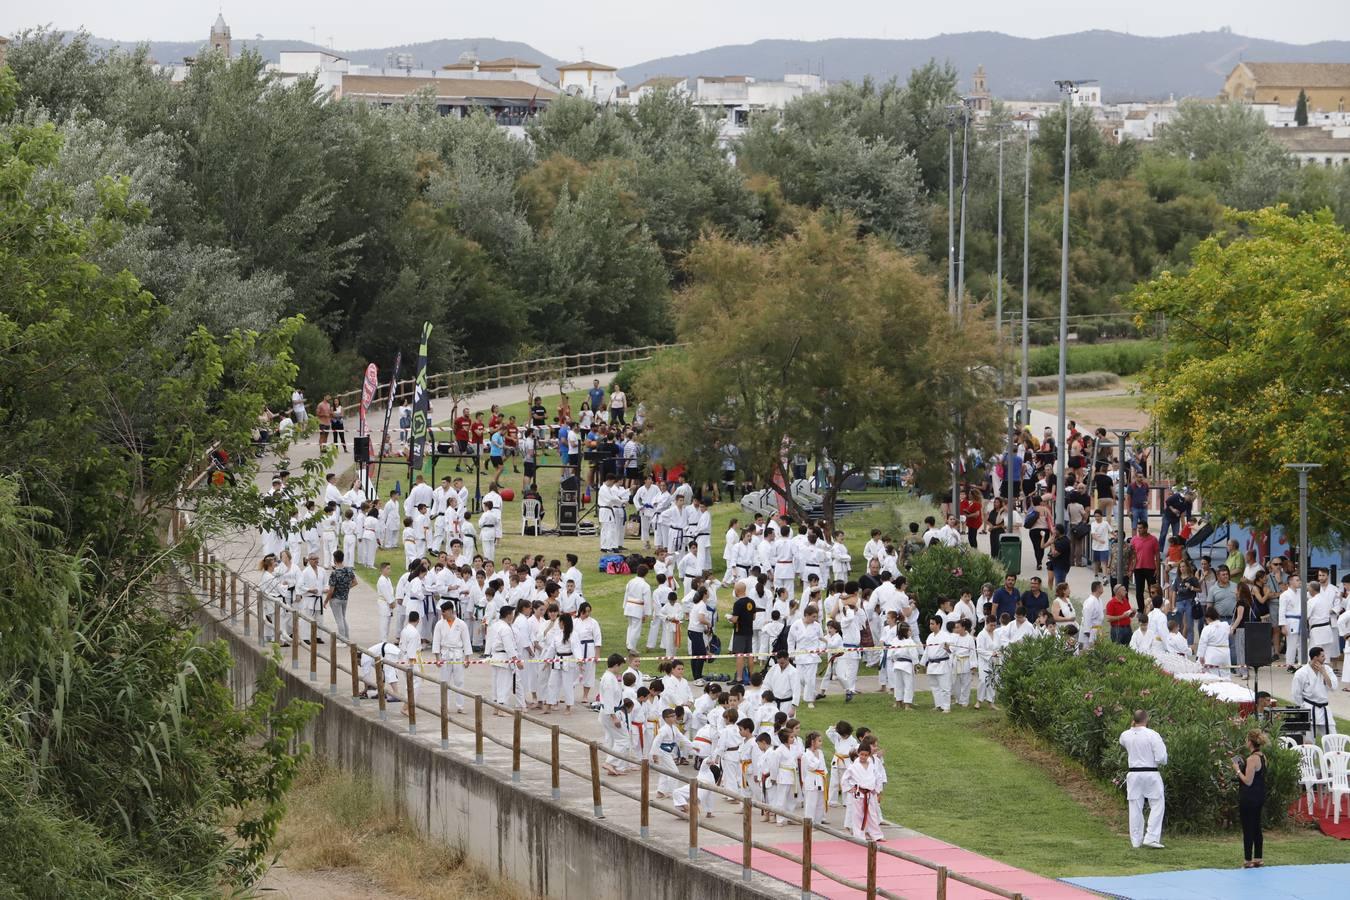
(963, 660)
(841, 736)
(669, 744)
(765, 764)
(671, 615)
(709, 774)
(864, 783)
(903, 657)
(813, 779)
(937, 663)
(986, 658)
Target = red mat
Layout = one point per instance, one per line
(1323, 817)
(900, 876)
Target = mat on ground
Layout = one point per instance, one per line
(1268, 883)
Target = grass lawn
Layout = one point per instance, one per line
(971, 779)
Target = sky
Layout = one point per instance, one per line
(625, 32)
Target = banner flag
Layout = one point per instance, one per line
(421, 424)
(368, 389)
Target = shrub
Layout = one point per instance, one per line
(1087, 333)
(1120, 357)
(947, 571)
(1083, 381)
(1082, 703)
(627, 377)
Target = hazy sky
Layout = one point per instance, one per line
(623, 32)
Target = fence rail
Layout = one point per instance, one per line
(237, 603)
(543, 371)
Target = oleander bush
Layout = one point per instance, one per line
(1081, 704)
(946, 572)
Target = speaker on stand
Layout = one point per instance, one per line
(569, 505)
(1256, 644)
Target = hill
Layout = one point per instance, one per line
(1128, 66)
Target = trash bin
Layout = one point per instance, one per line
(1010, 554)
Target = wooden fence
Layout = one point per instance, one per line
(235, 600)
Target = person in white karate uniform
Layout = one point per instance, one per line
(1311, 688)
(937, 664)
(410, 654)
(391, 520)
(1146, 753)
(813, 779)
(309, 591)
(613, 722)
(805, 641)
(987, 652)
(386, 603)
(669, 745)
(902, 656)
(781, 681)
(637, 606)
(1212, 648)
(489, 529)
(561, 673)
(850, 619)
(450, 646)
(502, 650)
(863, 782)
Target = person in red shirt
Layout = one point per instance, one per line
(1145, 550)
(972, 514)
(1119, 614)
(512, 437)
(494, 418)
(462, 424)
(476, 433)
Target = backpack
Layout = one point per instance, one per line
(1032, 516)
(609, 563)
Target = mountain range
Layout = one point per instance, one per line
(1127, 66)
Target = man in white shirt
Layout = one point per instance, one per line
(1291, 622)
(298, 407)
(501, 648)
(950, 533)
(1019, 628)
(419, 494)
(489, 528)
(450, 645)
(703, 534)
(645, 499)
(782, 681)
(1094, 615)
(309, 590)
(1146, 753)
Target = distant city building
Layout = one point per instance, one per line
(592, 80)
(671, 83)
(979, 97)
(738, 99)
(470, 66)
(1315, 146)
(1327, 85)
(220, 35)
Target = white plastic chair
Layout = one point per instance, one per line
(1289, 742)
(1335, 742)
(1312, 772)
(1336, 766)
(531, 515)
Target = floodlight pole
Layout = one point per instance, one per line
(1121, 434)
(998, 286)
(1008, 520)
(1068, 89)
(1303, 469)
(951, 210)
(965, 183)
(1025, 416)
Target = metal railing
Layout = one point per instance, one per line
(544, 371)
(233, 599)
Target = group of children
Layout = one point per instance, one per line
(749, 745)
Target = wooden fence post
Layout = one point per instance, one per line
(478, 729)
(941, 882)
(379, 685)
(234, 595)
(313, 651)
(807, 834)
(410, 704)
(357, 692)
(295, 638)
(515, 746)
(644, 822)
(557, 765)
(210, 582)
(747, 838)
(595, 781)
(248, 610)
(445, 716)
(693, 817)
(262, 620)
(332, 662)
(872, 873)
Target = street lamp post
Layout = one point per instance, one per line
(1009, 523)
(1068, 88)
(1026, 271)
(1121, 434)
(998, 275)
(1303, 469)
(951, 209)
(965, 181)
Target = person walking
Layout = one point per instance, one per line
(1251, 773)
(1146, 752)
(324, 413)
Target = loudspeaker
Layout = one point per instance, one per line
(361, 448)
(1257, 643)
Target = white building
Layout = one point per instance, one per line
(735, 100)
(592, 80)
(1315, 146)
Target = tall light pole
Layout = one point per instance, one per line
(951, 209)
(965, 181)
(1026, 272)
(1121, 434)
(1303, 469)
(1068, 88)
(1009, 523)
(998, 252)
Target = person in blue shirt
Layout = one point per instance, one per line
(1035, 599)
(497, 450)
(596, 395)
(563, 430)
(1137, 493)
(1006, 598)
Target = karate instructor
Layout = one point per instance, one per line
(1146, 752)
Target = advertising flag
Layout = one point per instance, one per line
(368, 389)
(421, 424)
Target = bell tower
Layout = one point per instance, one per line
(220, 35)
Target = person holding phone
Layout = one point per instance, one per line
(1251, 773)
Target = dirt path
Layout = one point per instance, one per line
(331, 884)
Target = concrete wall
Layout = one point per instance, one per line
(509, 829)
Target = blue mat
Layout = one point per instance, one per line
(1268, 883)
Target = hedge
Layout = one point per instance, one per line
(1081, 704)
(1121, 357)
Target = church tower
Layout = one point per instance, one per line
(220, 35)
(979, 92)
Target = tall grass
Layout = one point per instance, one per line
(1120, 357)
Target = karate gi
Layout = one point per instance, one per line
(937, 663)
(668, 746)
(501, 648)
(1321, 630)
(1212, 649)
(783, 682)
(489, 529)
(839, 762)
(813, 785)
(703, 536)
(1146, 752)
(381, 650)
(613, 720)
(369, 539)
(386, 604)
(804, 643)
(586, 648)
(963, 662)
(902, 657)
(1313, 693)
(350, 531)
(637, 605)
(562, 668)
(309, 589)
(846, 667)
(986, 662)
(864, 804)
(451, 647)
(680, 798)
(390, 523)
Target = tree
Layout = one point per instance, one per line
(1228, 145)
(822, 343)
(1251, 379)
(1301, 109)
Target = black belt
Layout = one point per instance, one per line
(1143, 768)
(781, 700)
(939, 659)
(1314, 703)
(1319, 624)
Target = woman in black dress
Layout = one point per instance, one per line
(1251, 774)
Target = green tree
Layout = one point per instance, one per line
(1228, 146)
(1251, 380)
(1301, 109)
(799, 344)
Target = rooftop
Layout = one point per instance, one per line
(468, 88)
(585, 64)
(1305, 75)
(506, 62)
(1310, 140)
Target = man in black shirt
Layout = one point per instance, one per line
(1035, 599)
(1006, 598)
(742, 631)
(1176, 508)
